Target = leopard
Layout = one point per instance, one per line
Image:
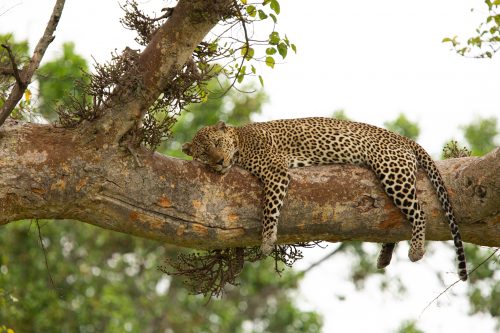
(268, 150)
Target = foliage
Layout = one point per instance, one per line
(453, 150)
(340, 114)
(107, 282)
(403, 126)
(485, 43)
(481, 135)
(66, 69)
(409, 326)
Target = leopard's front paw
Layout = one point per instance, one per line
(416, 254)
(266, 248)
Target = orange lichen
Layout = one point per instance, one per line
(134, 216)
(196, 204)
(393, 217)
(200, 229)
(230, 234)
(58, 185)
(232, 217)
(164, 202)
(180, 230)
(38, 190)
(81, 184)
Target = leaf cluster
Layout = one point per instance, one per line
(484, 44)
(453, 150)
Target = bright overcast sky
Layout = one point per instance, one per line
(374, 59)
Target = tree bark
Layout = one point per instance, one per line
(54, 173)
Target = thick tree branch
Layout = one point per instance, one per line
(27, 72)
(50, 173)
(170, 48)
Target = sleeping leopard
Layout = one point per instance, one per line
(269, 149)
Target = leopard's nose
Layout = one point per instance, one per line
(220, 162)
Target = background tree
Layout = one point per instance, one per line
(404, 127)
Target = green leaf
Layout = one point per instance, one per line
(251, 10)
(274, 38)
(275, 5)
(275, 19)
(270, 61)
(270, 50)
(248, 53)
(262, 15)
(261, 80)
(286, 40)
(294, 48)
(282, 49)
(244, 2)
(253, 69)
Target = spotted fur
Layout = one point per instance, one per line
(269, 149)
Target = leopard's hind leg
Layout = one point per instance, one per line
(399, 182)
(385, 255)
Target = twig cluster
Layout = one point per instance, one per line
(453, 150)
(208, 273)
(108, 79)
(138, 21)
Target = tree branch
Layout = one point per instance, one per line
(50, 173)
(27, 72)
(170, 48)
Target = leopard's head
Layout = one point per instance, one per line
(214, 146)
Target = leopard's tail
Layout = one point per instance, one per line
(426, 162)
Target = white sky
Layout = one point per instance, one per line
(374, 59)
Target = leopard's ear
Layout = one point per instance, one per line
(186, 148)
(221, 126)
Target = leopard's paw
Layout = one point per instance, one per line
(416, 254)
(266, 248)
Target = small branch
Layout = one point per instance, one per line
(325, 258)
(458, 280)
(15, 71)
(40, 239)
(247, 43)
(27, 72)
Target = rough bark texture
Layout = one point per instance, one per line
(48, 172)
